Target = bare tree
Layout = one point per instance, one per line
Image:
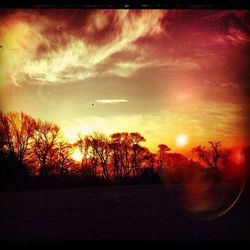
(64, 159)
(101, 148)
(45, 139)
(89, 160)
(216, 154)
(209, 156)
(18, 129)
(7, 144)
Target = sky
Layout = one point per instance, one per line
(161, 73)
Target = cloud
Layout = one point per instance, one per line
(111, 101)
(70, 56)
(126, 68)
(17, 48)
(234, 36)
(59, 46)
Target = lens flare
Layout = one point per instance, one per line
(210, 196)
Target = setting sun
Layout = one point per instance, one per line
(181, 140)
(77, 155)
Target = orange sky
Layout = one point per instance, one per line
(157, 72)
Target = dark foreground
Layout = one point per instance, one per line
(142, 212)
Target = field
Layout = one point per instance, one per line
(139, 212)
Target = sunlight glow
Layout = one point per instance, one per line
(71, 135)
(181, 140)
(77, 155)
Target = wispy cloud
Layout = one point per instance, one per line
(64, 51)
(111, 101)
(126, 69)
(73, 57)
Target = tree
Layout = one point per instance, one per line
(178, 165)
(121, 147)
(15, 140)
(209, 156)
(45, 138)
(137, 152)
(101, 148)
(63, 157)
(89, 160)
(127, 153)
(143, 159)
(21, 128)
(147, 168)
(162, 156)
(7, 144)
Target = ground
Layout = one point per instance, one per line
(140, 212)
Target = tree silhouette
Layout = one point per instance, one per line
(39, 146)
(162, 156)
(89, 162)
(101, 149)
(209, 156)
(137, 152)
(7, 144)
(121, 146)
(15, 134)
(63, 157)
(127, 154)
(21, 128)
(45, 138)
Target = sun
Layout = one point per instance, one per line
(77, 155)
(181, 140)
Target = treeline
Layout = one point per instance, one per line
(34, 148)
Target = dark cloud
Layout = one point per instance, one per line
(95, 27)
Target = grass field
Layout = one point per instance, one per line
(140, 212)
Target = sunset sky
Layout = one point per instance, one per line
(161, 73)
